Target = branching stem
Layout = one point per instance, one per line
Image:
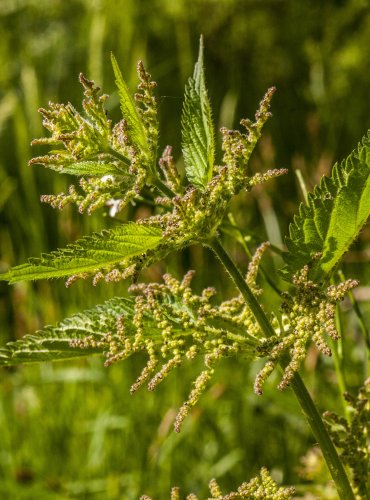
(119, 156)
(161, 186)
(307, 405)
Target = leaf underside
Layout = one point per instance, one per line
(53, 342)
(89, 254)
(334, 216)
(197, 129)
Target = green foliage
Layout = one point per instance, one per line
(129, 109)
(113, 162)
(90, 168)
(89, 420)
(197, 129)
(309, 315)
(192, 216)
(104, 252)
(168, 322)
(77, 137)
(336, 213)
(53, 343)
(353, 438)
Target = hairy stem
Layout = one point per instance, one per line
(119, 156)
(242, 241)
(161, 186)
(307, 405)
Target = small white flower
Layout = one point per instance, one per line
(114, 206)
(107, 178)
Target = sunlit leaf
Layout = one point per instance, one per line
(129, 110)
(336, 212)
(53, 343)
(90, 254)
(197, 128)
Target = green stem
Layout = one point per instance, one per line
(322, 436)
(302, 185)
(307, 405)
(249, 254)
(244, 289)
(163, 188)
(118, 155)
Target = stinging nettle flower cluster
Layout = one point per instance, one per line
(186, 326)
(114, 164)
(309, 314)
(119, 163)
(262, 487)
(352, 437)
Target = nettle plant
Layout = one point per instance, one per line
(115, 165)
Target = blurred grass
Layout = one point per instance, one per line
(72, 430)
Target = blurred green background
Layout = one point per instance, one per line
(72, 430)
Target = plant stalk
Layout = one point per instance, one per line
(307, 405)
(163, 188)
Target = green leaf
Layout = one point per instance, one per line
(197, 129)
(88, 168)
(100, 251)
(53, 343)
(129, 110)
(336, 212)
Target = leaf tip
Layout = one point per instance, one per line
(201, 45)
(116, 69)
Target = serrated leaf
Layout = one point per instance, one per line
(129, 110)
(336, 212)
(88, 168)
(53, 343)
(91, 253)
(197, 128)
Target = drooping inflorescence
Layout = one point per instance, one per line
(196, 214)
(112, 162)
(262, 487)
(353, 438)
(189, 325)
(308, 315)
(193, 215)
(171, 323)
